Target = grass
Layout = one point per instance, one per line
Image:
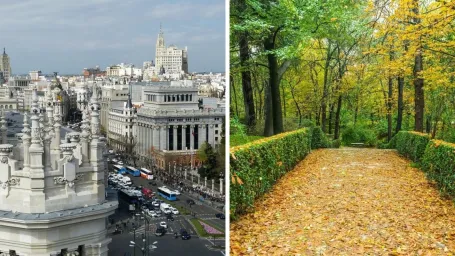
(201, 231)
(236, 140)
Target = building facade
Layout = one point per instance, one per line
(52, 198)
(171, 126)
(89, 72)
(121, 133)
(5, 65)
(170, 60)
(35, 75)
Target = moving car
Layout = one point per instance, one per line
(174, 211)
(184, 234)
(220, 216)
(160, 231)
(163, 224)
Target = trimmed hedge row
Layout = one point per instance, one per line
(439, 164)
(411, 144)
(436, 158)
(256, 166)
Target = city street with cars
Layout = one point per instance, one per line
(165, 222)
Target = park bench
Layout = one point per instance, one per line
(358, 145)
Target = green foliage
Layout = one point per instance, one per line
(209, 158)
(336, 143)
(352, 134)
(439, 163)
(257, 166)
(412, 144)
(319, 139)
(236, 140)
(236, 127)
(388, 145)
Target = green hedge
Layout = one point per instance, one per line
(411, 144)
(256, 166)
(439, 163)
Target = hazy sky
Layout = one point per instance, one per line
(69, 35)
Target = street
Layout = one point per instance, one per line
(167, 243)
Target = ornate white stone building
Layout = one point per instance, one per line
(171, 124)
(52, 193)
(170, 60)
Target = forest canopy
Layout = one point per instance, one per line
(362, 70)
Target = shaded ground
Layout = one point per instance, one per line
(349, 202)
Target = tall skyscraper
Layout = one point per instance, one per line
(170, 60)
(5, 66)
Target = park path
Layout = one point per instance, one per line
(349, 201)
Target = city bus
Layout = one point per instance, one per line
(127, 199)
(167, 193)
(133, 171)
(119, 169)
(146, 174)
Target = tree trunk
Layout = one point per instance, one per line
(235, 96)
(284, 102)
(332, 106)
(428, 124)
(274, 84)
(389, 110)
(325, 89)
(435, 127)
(419, 100)
(268, 109)
(337, 118)
(400, 104)
(248, 100)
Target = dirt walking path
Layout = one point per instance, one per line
(349, 202)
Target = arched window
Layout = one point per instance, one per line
(182, 97)
(191, 97)
(165, 98)
(10, 106)
(173, 98)
(186, 97)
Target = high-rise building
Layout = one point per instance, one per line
(5, 66)
(170, 60)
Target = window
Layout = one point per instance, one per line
(216, 125)
(117, 94)
(216, 138)
(216, 131)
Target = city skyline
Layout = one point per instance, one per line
(67, 37)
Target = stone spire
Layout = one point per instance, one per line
(85, 134)
(4, 128)
(36, 141)
(129, 103)
(26, 141)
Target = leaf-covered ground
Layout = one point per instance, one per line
(349, 202)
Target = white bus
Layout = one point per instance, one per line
(146, 174)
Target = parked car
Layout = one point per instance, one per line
(184, 234)
(163, 224)
(174, 211)
(169, 217)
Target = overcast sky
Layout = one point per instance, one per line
(69, 35)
